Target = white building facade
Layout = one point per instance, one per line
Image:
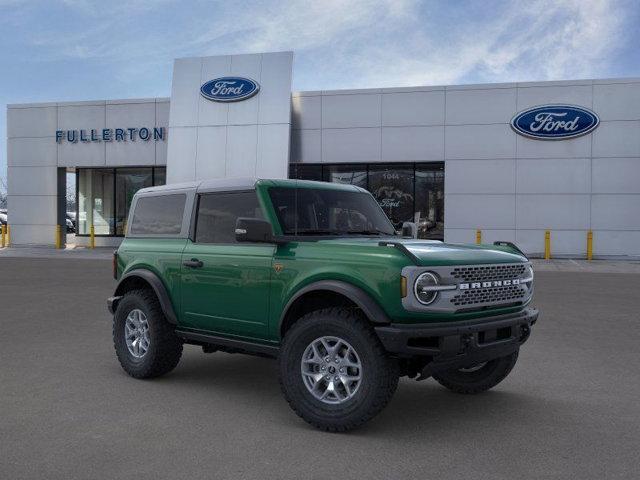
(449, 158)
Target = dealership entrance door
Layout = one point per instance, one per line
(407, 192)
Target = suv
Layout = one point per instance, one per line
(313, 274)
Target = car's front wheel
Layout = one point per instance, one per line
(334, 372)
(477, 378)
(146, 344)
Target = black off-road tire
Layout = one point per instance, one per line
(379, 372)
(165, 348)
(490, 375)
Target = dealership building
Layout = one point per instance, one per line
(512, 160)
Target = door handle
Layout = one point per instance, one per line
(193, 263)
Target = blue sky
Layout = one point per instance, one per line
(86, 49)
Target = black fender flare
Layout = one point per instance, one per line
(157, 286)
(362, 299)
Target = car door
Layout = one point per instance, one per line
(225, 284)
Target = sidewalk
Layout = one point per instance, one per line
(586, 266)
(99, 253)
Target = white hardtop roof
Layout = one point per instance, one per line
(241, 183)
(231, 184)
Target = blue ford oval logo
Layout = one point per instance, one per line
(229, 89)
(555, 122)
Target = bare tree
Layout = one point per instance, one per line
(3, 193)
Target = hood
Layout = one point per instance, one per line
(434, 253)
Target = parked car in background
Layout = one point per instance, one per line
(71, 222)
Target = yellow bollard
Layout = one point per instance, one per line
(58, 237)
(8, 234)
(478, 236)
(547, 244)
(92, 237)
(589, 245)
(4, 235)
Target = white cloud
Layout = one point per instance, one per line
(362, 43)
(543, 40)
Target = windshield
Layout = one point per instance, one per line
(317, 211)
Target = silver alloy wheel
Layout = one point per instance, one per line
(331, 370)
(473, 368)
(136, 333)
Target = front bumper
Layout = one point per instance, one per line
(459, 344)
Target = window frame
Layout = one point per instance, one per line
(193, 227)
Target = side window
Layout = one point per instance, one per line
(158, 215)
(218, 212)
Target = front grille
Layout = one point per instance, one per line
(511, 293)
(487, 272)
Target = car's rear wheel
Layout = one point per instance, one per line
(477, 378)
(146, 344)
(333, 370)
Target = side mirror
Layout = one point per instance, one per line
(253, 230)
(409, 229)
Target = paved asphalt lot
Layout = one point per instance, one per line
(570, 409)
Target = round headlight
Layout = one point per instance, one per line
(421, 288)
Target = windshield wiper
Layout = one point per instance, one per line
(313, 231)
(366, 232)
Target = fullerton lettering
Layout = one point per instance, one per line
(110, 135)
(548, 122)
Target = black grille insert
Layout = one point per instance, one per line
(489, 295)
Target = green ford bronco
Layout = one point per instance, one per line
(315, 275)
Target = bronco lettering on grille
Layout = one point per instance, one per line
(494, 283)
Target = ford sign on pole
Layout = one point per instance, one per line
(555, 122)
(229, 89)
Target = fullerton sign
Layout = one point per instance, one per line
(111, 135)
(555, 122)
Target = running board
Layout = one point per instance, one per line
(230, 343)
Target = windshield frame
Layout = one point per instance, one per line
(375, 218)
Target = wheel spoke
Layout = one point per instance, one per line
(316, 377)
(326, 346)
(346, 385)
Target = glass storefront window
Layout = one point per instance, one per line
(159, 176)
(355, 174)
(429, 209)
(128, 182)
(105, 194)
(393, 186)
(95, 201)
(305, 172)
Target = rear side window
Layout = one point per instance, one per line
(158, 215)
(218, 212)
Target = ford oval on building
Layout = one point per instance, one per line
(555, 122)
(229, 89)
